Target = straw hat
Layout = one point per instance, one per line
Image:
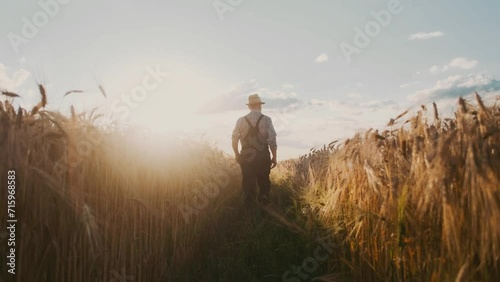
(254, 99)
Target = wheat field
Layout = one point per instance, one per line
(416, 201)
(92, 207)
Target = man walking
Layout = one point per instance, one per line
(256, 133)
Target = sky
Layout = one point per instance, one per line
(326, 69)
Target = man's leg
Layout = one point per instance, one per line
(264, 169)
(248, 182)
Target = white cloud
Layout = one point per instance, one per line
(425, 35)
(457, 63)
(287, 86)
(278, 94)
(12, 83)
(317, 102)
(354, 108)
(354, 95)
(455, 86)
(463, 63)
(476, 80)
(322, 58)
(406, 85)
(435, 69)
(237, 98)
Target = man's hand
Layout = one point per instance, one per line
(274, 162)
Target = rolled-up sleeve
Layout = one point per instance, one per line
(271, 135)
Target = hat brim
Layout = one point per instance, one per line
(257, 103)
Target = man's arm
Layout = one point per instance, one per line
(271, 141)
(235, 149)
(236, 138)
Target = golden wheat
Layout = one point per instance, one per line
(419, 203)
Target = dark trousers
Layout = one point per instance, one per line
(256, 170)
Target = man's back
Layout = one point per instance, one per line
(266, 128)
